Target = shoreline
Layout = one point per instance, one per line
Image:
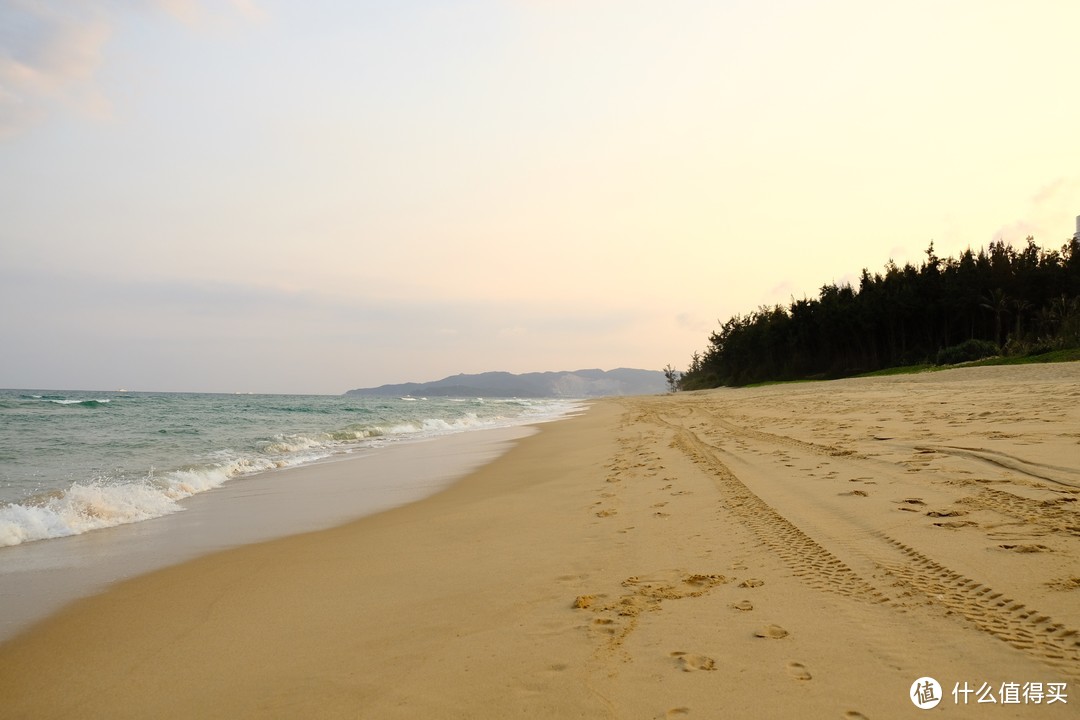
(39, 578)
(807, 550)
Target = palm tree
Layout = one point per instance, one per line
(997, 302)
(1020, 306)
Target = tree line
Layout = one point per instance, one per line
(1000, 300)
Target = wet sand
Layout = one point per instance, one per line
(795, 550)
(38, 578)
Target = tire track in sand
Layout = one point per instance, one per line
(1055, 515)
(984, 608)
(992, 612)
(810, 561)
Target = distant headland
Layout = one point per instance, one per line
(569, 384)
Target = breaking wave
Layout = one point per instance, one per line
(92, 499)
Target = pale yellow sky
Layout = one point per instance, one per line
(361, 193)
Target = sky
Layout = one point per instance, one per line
(308, 197)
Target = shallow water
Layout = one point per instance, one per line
(74, 462)
(38, 578)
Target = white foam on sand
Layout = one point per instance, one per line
(37, 579)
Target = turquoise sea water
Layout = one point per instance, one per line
(71, 462)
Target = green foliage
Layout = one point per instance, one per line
(966, 352)
(1013, 301)
(672, 376)
(901, 370)
(1066, 355)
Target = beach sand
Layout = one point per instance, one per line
(38, 578)
(799, 550)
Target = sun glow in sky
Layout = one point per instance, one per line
(253, 195)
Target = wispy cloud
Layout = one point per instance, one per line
(693, 321)
(1048, 217)
(198, 14)
(189, 12)
(129, 327)
(249, 9)
(51, 52)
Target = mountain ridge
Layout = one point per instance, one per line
(589, 382)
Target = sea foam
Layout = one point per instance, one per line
(54, 469)
(100, 504)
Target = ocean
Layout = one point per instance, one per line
(73, 462)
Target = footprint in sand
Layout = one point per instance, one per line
(744, 605)
(1065, 583)
(679, 712)
(1026, 548)
(857, 493)
(606, 626)
(688, 662)
(798, 671)
(751, 583)
(583, 602)
(771, 632)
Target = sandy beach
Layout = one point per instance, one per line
(803, 550)
(38, 578)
